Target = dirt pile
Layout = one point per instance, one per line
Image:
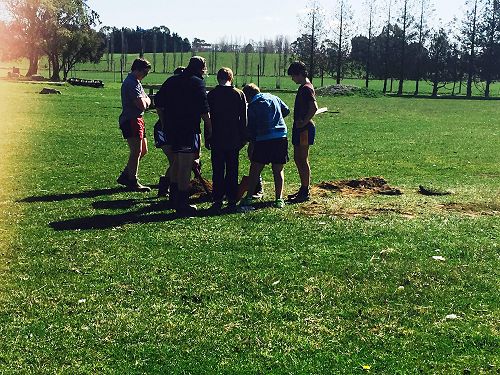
(357, 187)
(196, 188)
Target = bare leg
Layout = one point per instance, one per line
(279, 179)
(301, 158)
(255, 169)
(184, 163)
(135, 147)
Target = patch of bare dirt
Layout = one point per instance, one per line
(357, 187)
(472, 209)
(316, 209)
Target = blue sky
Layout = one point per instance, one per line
(240, 20)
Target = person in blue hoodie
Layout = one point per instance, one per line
(268, 136)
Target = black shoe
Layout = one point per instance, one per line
(183, 207)
(163, 185)
(137, 186)
(123, 179)
(216, 206)
(301, 196)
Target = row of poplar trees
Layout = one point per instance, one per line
(397, 44)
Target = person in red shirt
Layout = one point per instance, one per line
(304, 130)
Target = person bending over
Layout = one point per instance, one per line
(268, 134)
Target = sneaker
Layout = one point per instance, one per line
(246, 205)
(259, 190)
(279, 203)
(123, 179)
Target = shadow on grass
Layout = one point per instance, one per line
(81, 195)
(154, 213)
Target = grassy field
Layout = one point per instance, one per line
(94, 279)
(269, 81)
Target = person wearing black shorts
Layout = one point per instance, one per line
(268, 134)
(184, 103)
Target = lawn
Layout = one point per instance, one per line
(94, 279)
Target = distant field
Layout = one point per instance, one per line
(270, 80)
(97, 280)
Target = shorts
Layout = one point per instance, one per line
(304, 136)
(274, 151)
(187, 144)
(133, 128)
(160, 135)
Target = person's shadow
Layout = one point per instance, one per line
(151, 210)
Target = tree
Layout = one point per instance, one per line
(312, 32)
(343, 16)
(28, 19)
(386, 49)
(406, 21)
(488, 61)
(370, 6)
(469, 39)
(68, 35)
(440, 59)
(422, 35)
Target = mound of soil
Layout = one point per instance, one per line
(196, 189)
(347, 90)
(357, 187)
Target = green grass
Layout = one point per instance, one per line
(97, 280)
(268, 81)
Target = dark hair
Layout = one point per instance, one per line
(297, 68)
(179, 70)
(196, 64)
(140, 64)
(224, 75)
(251, 90)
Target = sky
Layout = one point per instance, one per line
(242, 21)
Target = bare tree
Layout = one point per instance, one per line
(344, 15)
(312, 26)
(370, 8)
(387, 44)
(423, 31)
(469, 40)
(406, 21)
(490, 42)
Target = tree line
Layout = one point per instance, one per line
(393, 43)
(403, 46)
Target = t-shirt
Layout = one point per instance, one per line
(131, 90)
(183, 99)
(305, 95)
(228, 111)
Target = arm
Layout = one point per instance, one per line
(243, 120)
(142, 102)
(207, 131)
(285, 111)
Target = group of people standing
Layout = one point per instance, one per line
(232, 118)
